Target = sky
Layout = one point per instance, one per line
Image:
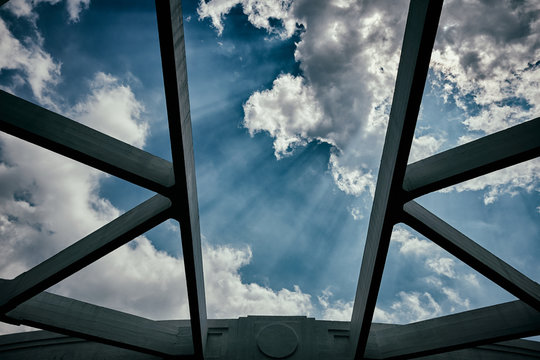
(289, 105)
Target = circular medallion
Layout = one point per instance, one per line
(277, 341)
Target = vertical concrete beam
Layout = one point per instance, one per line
(184, 197)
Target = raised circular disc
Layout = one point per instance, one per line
(277, 341)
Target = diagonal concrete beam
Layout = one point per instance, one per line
(490, 153)
(458, 331)
(57, 133)
(472, 254)
(76, 318)
(85, 251)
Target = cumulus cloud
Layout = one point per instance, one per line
(223, 281)
(133, 279)
(334, 310)
(37, 220)
(424, 146)
(490, 67)
(259, 12)
(75, 7)
(108, 103)
(24, 8)
(412, 245)
(455, 298)
(289, 113)
(411, 307)
(47, 202)
(44, 195)
(348, 55)
(356, 213)
(507, 181)
(414, 306)
(35, 67)
(442, 266)
(351, 180)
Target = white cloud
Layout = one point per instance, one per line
(411, 307)
(334, 310)
(75, 7)
(107, 104)
(442, 266)
(37, 67)
(38, 189)
(223, 281)
(489, 64)
(21, 7)
(48, 202)
(472, 279)
(356, 213)
(414, 306)
(134, 279)
(382, 316)
(352, 181)
(412, 245)
(455, 298)
(424, 146)
(508, 181)
(348, 55)
(259, 13)
(288, 112)
(10, 329)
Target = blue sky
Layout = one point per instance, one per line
(289, 103)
